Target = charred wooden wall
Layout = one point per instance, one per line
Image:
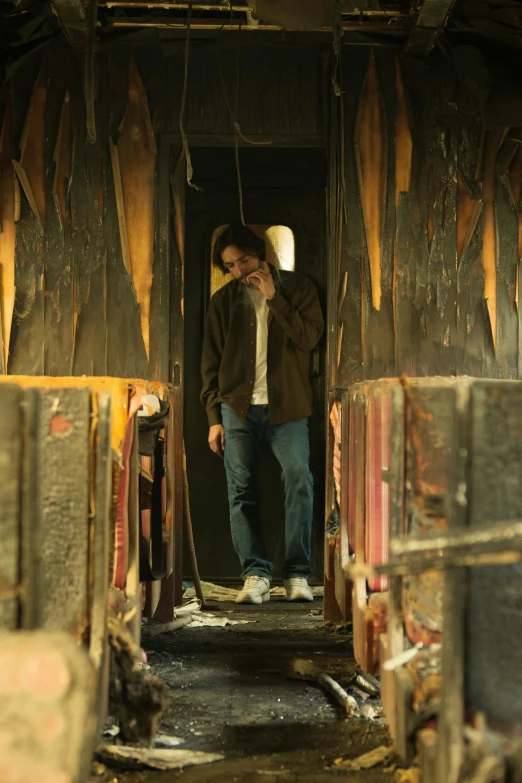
(429, 233)
(86, 264)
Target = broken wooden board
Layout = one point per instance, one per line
(11, 439)
(30, 169)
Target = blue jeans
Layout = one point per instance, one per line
(290, 444)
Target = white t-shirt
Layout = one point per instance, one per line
(260, 393)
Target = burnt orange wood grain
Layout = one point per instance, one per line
(370, 154)
(30, 169)
(468, 213)
(137, 159)
(403, 143)
(8, 187)
(489, 253)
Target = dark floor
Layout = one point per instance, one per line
(230, 694)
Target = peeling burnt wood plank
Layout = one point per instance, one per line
(88, 247)
(58, 269)
(136, 153)
(152, 68)
(26, 347)
(411, 261)
(491, 147)
(8, 193)
(353, 244)
(31, 167)
(101, 527)
(11, 435)
(158, 368)
(379, 348)
(126, 356)
(31, 615)
(443, 255)
(370, 142)
(494, 629)
(63, 435)
(428, 26)
(62, 159)
(507, 263)
(475, 355)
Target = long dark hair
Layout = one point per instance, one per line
(242, 237)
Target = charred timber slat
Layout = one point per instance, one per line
(11, 435)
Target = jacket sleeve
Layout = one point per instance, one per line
(213, 342)
(302, 322)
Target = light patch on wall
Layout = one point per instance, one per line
(280, 251)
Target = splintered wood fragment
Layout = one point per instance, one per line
(403, 143)
(62, 159)
(156, 758)
(309, 670)
(342, 293)
(8, 211)
(137, 164)
(489, 253)
(340, 344)
(124, 238)
(31, 167)
(371, 157)
(468, 213)
(368, 760)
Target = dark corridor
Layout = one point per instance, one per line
(281, 186)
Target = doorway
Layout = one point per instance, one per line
(281, 187)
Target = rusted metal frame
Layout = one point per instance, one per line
(429, 24)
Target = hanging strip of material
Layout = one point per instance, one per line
(184, 140)
(89, 72)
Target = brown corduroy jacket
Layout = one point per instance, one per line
(295, 324)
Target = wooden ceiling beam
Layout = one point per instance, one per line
(72, 17)
(429, 24)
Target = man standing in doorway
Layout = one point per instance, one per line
(260, 330)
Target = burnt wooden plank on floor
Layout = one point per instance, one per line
(11, 435)
(494, 627)
(63, 434)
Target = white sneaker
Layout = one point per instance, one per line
(256, 590)
(297, 589)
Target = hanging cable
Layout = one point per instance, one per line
(90, 118)
(184, 139)
(336, 45)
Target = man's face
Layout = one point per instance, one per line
(239, 263)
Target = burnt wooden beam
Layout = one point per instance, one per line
(430, 22)
(73, 20)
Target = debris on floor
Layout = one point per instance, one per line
(222, 594)
(374, 758)
(309, 670)
(190, 616)
(410, 775)
(154, 758)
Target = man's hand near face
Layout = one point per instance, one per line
(216, 439)
(263, 281)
